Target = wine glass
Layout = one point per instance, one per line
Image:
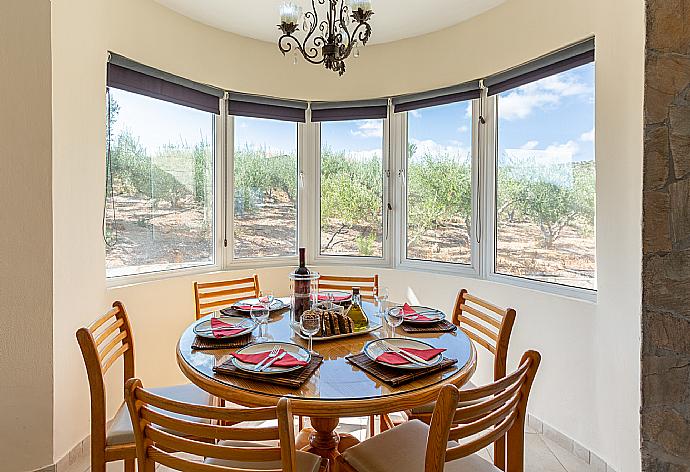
(310, 323)
(382, 299)
(394, 317)
(259, 313)
(266, 298)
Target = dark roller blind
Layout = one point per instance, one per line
(559, 61)
(443, 96)
(255, 106)
(127, 75)
(343, 111)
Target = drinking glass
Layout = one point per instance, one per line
(259, 313)
(310, 323)
(394, 318)
(381, 299)
(266, 298)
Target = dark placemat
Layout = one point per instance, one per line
(444, 326)
(221, 343)
(391, 375)
(293, 379)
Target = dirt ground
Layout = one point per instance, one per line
(164, 238)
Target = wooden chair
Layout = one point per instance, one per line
(368, 286)
(105, 341)
(213, 296)
(227, 445)
(470, 419)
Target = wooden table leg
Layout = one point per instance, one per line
(324, 441)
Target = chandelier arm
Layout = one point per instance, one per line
(363, 36)
(286, 46)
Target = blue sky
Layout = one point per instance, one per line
(553, 116)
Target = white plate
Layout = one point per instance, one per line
(297, 351)
(373, 326)
(336, 293)
(435, 315)
(203, 328)
(373, 349)
(276, 304)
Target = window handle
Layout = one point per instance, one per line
(301, 179)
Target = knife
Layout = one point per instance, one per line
(408, 356)
(270, 363)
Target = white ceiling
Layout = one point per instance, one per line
(392, 20)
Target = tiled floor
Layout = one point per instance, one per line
(541, 454)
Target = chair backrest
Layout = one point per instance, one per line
(487, 324)
(478, 417)
(213, 296)
(368, 286)
(159, 433)
(102, 343)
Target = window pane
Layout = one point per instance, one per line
(352, 188)
(159, 210)
(439, 183)
(545, 180)
(265, 178)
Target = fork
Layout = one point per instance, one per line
(272, 354)
(405, 354)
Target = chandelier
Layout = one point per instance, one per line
(333, 42)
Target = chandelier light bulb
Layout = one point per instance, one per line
(364, 5)
(290, 13)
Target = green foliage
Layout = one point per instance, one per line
(351, 190)
(553, 197)
(259, 176)
(439, 190)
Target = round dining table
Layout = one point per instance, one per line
(337, 389)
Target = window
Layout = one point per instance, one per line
(439, 183)
(545, 176)
(160, 173)
(265, 183)
(352, 188)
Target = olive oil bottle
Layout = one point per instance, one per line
(356, 313)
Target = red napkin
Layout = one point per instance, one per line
(336, 298)
(287, 361)
(222, 333)
(409, 313)
(246, 306)
(396, 359)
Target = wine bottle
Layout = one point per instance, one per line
(356, 313)
(302, 288)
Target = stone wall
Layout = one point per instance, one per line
(665, 419)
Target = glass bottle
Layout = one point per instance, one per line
(302, 290)
(356, 313)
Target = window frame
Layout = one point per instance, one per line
(484, 161)
(218, 212)
(386, 260)
(489, 195)
(231, 262)
(452, 268)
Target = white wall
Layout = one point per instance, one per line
(26, 277)
(590, 351)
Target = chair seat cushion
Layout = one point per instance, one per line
(306, 461)
(382, 453)
(429, 407)
(120, 430)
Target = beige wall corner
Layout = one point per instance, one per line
(26, 273)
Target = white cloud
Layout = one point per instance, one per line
(415, 113)
(463, 129)
(530, 145)
(369, 129)
(545, 93)
(363, 155)
(468, 111)
(570, 149)
(432, 148)
(588, 136)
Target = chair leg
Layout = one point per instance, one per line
(372, 426)
(130, 465)
(300, 423)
